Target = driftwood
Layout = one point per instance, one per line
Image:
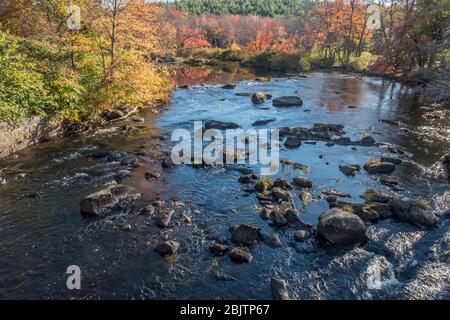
(129, 114)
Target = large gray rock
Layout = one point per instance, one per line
(279, 289)
(341, 227)
(245, 234)
(288, 101)
(413, 211)
(101, 202)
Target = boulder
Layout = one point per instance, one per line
(167, 247)
(272, 240)
(101, 202)
(413, 211)
(288, 101)
(263, 122)
(241, 254)
(349, 169)
(279, 289)
(341, 227)
(378, 167)
(303, 182)
(163, 218)
(245, 234)
(220, 125)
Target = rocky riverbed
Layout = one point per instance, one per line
(358, 210)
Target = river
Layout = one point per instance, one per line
(42, 231)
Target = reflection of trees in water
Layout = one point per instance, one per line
(189, 75)
(337, 94)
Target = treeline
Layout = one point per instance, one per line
(46, 67)
(269, 8)
(409, 39)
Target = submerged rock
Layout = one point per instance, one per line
(288, 101)
(341, 227)
(220, 125)
(241, 254)
(272, 240)
(229, 86)
(263, 122)
(279, 289)
(377, 167)
(245, 234)
(167, 247)
(414, 211)
(293, 142)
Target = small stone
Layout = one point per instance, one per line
(279, 194)
(246, 178)
(168, 247)
(229, 86)
(303, 182)
(336, 193)
(279, 289)
(293, 142)
(152, 175)
(300, 235)
(224, 277)
(289, 101)
(126, 227)
(241, 254)
(272, 240)
(164, 217)
(349, 170)
(218, 249)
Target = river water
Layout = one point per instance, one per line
(42, 231)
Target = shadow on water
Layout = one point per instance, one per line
(42, 232)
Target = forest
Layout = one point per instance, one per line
(116, 56)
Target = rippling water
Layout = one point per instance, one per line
(42, 232)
